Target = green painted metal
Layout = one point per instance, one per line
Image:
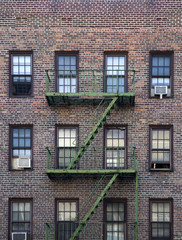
(136, 199)
(86, 172)
(48, 153)
(94, 132)
(93, 208)
(47, 226)
(90, 94)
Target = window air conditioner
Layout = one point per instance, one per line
(24, 161)
(19, 236)
(160, 90)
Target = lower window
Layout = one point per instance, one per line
(66, 218)
(115, 216)
(161, 220)
(20, 219)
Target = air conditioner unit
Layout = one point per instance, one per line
(24, 161)
(160, 90)
(19, 236)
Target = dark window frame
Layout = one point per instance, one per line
(114, 200)
(58, 126)
(57, 200)
(115, 54)
(161, 127)
(106, 127)
(160, 200)
(20, 200)
(66, 53)
(162, 54)
(20, 53)
(11, 127)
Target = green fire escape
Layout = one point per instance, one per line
(94, 96)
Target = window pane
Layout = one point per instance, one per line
(154, 61)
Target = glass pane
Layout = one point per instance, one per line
(154, 134)
(166, 217)
(27, 216)
(27, 226)
(73, 60)
(27, 60)
(21, 207)
(67, 216)
(61, 142)
(21, 216)
(154, 217)
(166, 134)
(166, 144)
(161, 136)
(109, 216)
(154, 232)
(109, 143)
(15, 226)
(115, 142)
(154, 156)
(67, 142)
(73, 206)
(166, 207)
(115, 61)
(109, 60)
(121, 60)
(167, 81)
(67, 60)
(15, 60)
(27, 207)
(15, 216)
(61, 206)
(161, 61)
(21, 60)
(67, 207)
(166, 71)
(21, 142)
(161, 71)
(15, 206)
(154, 71)
(115, 216)
(154, 81)
(67, 133)
(21, 226)
(22, 70)
(27, 70)
(154, 144)
(61, 60)
(161, 207)
(27, 142)
(160, 156)
(15, 132)
(166, 232)
(15, 142)
(154, 207)
(121, 207)
(61, 132)
(15, 69)
(27, 132)
(121, 216)
(109, 207)
(21, 132)
(160, 144)
(154, 61)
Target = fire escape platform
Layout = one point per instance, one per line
(93, 98)
(62, 173)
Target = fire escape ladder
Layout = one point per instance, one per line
(93, 133)
(93, 208)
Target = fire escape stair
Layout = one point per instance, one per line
(93, 133)
(93, 208)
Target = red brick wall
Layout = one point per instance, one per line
(90, 27)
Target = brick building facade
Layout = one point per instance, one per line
(104, 48)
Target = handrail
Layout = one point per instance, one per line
(93, 77)
(94, 156)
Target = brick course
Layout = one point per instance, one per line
(90, 27)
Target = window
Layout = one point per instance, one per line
(67, 77)
(115, 147)
(67, 145)
(21, 147)
(161, 220)
(115, 73)
(66, 218)
(21, 217)
(115, 215)
(161, 72)
(21, 74)
(161, 147)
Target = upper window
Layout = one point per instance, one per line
(67, 77)
(161, 74)
(66, 145)
(161, 220)
(161, 148)
(66, 218)
(20, 218)
(115, 74)
(21, 147)
(115, 216)
(21, 74)
(115, 147)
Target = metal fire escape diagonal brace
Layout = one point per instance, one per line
(93, 133)
(93, 208)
